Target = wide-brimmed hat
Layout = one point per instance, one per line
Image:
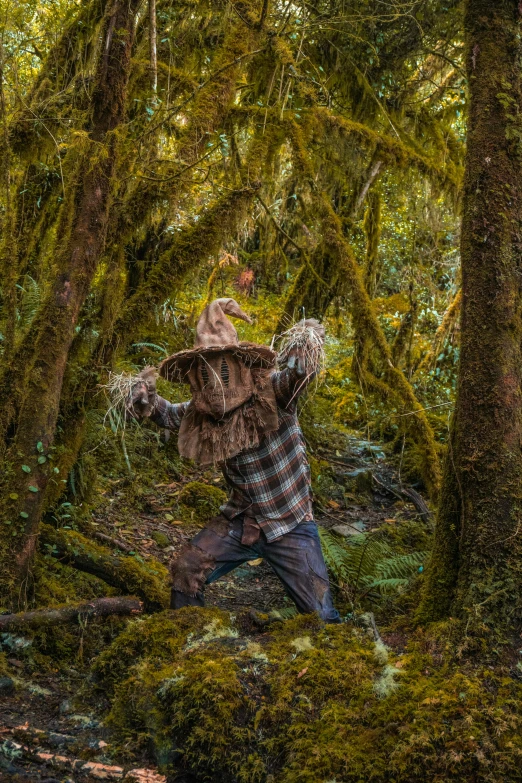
(215, 334)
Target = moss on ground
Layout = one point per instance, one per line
(304, 703)
(199, 502)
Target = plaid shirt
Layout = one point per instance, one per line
(270, 483)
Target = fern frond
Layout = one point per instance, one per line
(152, 346)
(31, 295)
(400, 566)
(366, 563)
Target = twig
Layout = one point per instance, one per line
(421, 410)
(114, 542)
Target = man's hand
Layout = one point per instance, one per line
(298, 360)
(141, 399)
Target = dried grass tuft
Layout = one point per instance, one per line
(303, 339)
(118, 391)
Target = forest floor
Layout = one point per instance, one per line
(46, 735)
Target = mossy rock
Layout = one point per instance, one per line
(160, 538)
(200, 502)
(306, 703)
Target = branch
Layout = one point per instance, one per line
(101, 607)
(149, 581)
(116, 543)
(153, 46)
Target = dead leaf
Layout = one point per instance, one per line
(333, 504)
(303, 671)
(255, 562)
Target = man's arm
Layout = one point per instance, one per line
(145, 402)
(167, 414)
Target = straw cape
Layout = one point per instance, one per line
(216, 334)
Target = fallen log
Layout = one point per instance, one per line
(126, 606)
(409, 494)
(148, 579)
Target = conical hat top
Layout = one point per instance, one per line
(214, 329)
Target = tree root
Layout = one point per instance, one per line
(149, 581)
(101, 607)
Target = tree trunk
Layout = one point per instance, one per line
(80, 239)
(475, 570)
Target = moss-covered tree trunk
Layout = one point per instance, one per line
(80, 236)
(476, 566)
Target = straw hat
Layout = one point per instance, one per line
(216, 334)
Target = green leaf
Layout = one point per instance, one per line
(56, 470)
(41, 460)
(24, 514)
(39, 446)
(26, 468)
(13, 496)
(31, 488)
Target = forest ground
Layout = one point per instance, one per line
(43, 714)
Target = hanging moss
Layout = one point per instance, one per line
(365, 321)
(372, 229)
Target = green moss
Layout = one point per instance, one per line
(201, 501)
(148, 580)
(160, 538)
(307, 703)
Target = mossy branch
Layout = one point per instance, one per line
(365, 320)
(190, 247)
(61, 615)
(441, 335)
(149, 581)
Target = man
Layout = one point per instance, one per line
(242, 417)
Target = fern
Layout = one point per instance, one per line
(152, 346)
(31, 295)
(366, 563)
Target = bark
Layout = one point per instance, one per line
(475, 567)
(80, 238)
(61, 615)
(153, 46)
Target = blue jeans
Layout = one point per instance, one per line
(296, 558)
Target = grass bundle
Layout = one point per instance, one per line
(118, 391)
(305, 341)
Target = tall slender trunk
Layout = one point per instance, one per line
(80, 238)
(153, 46)
(475, 571)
